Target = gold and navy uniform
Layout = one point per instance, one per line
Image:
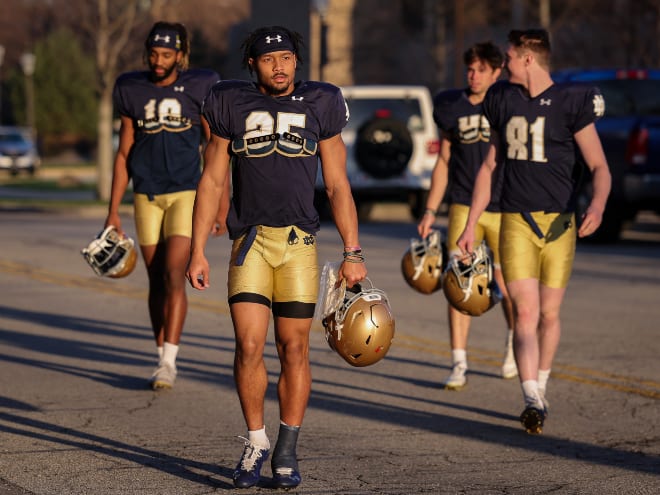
(272, 219)
(274, 149)
(165, 157)
(537, 145)
(468, 130)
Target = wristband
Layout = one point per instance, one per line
(431, 211)
(352, 248)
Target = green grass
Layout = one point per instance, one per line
(34, 183)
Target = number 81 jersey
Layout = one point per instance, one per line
(536, 141)
(274, 147)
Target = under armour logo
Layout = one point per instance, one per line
(545, 102)
(277, 38)
(158, 37)
(297, 98)
(599, 105)
(178, 88)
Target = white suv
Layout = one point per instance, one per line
(392, 144)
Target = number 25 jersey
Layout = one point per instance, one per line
(537, 144)
(274, 148)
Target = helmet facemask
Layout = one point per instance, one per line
(110, 254)
(362, 328)
(468, 282)
(421, 264)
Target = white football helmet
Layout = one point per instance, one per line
(421, 264)
(110, 254)
(362, 327)
(468, 282)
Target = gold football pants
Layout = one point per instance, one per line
(278, 266)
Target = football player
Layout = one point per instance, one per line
(159, 150)
(274, 130)
(465, 136)
(537, 128)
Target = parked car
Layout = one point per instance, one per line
(18, 151)
(392, 146)
(630, 134)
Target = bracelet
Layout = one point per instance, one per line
(354, 257)
(431, 211)
(356, 260)
(352, 248)
(352, 253)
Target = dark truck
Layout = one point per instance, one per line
(630, 134)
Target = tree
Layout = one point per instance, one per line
(66, 79)
(110, 27)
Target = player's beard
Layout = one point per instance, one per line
(158, 77)
(273, 88)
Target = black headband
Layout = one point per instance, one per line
(166, 38)
(273, 41)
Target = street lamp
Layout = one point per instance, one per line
(28, 62)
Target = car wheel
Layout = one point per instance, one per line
(417, 203)
(364, 209)
(383, 147)
(322, 205)
(613, 218)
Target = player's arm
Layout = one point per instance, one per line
(439, 180)
(220, 225)
(120, 175)
(592, 151)
(480, 194)
(333, 164)
(210, 191)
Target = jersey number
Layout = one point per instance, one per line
(263, 123)
(518, 132)
(167, 107)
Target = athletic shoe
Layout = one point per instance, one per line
(532, 420)
(248, 470)
(286, 477)
(509, 367)
(457, 378)
(163, 377)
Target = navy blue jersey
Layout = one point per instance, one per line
(537, 143)
(167, 121)
(274, 147)
(468, 130)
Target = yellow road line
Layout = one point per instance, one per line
(611, 381)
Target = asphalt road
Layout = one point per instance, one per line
(76, 416)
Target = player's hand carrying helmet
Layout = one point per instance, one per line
(362, 327)
(111, 254)
(421, 264)
(468, 282)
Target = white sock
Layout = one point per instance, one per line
(259, 437)
(530, 389)
(160, 352)
(169, 353)
(458, 356)
(543, 380)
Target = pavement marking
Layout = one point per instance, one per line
(587, 376)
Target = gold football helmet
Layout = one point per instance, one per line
(468, 282)
(111, 254)
(361, 329)
(421, 264)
